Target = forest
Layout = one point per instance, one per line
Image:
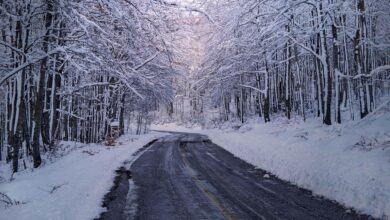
(327, 59)
(194, 109)
(71, 69)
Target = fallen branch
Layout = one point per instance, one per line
(56, 187)
(88, 152)
(4, 198)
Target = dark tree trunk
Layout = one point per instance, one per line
(39, 104)
(336, 66)
(122, 116)
(324, 50)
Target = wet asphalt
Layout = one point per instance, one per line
(186, 176)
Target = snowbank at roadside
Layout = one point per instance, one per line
(73, 186)
(348, 163)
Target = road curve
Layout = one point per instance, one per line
(185, 176)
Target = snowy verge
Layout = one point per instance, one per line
(73, 186)
(347, 163)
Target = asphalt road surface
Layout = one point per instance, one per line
(185, 176)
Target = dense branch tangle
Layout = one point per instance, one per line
(69, 69)
(323, 58)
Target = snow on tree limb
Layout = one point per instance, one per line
(146, 61)
(30, 62)
(263, 91)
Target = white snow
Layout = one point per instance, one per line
(175, 127)
(115, 124)
(348, 163)
(83, 176)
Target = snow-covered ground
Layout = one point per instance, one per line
(69, 187)
(349, 163)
